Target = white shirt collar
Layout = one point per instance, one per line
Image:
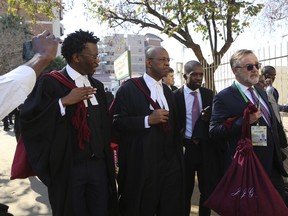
(188, 90)
(156, 96)
(242, 87)
(73, 73)
(150, 81)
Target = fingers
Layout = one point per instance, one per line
(46, 34)
(51, 36)
(158, 116)
(57, 39)
(86, 92)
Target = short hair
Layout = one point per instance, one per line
(75, 43)
(191, 65)
(235, 58)
(171, 70)
(150, 52)
(267, 70)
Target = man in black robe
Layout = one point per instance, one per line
(65, 130)
(150, 161)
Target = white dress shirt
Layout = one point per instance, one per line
(15, 87)
(156, 93)
(189, 100)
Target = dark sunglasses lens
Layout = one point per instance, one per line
(250, 67)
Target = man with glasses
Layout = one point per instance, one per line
(227, 118)
(66, 133)
(150, 175)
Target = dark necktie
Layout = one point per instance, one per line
(195, 109)
(263, 110)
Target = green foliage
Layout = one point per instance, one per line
(13, 32)
(57, 64)
(219, 22)
(34, 8)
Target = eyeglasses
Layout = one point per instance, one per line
(162, 59)
(250, 67)
(91, 56)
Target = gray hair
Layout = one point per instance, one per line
(237, 56)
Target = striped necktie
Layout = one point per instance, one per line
(263, 110)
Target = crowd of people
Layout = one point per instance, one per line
(166, 136)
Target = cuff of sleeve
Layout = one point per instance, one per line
(62, 108)
(146, 124)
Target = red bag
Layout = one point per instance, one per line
(245, 189)
(21, 167)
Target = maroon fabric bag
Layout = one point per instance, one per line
(21, 167)
(245, 189)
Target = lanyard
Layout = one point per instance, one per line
(245, 97)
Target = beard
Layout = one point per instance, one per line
(252, 79)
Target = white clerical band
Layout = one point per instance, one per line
(83, 81)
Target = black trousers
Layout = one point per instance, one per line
(193, 163)
(162, 195)
(90, 188)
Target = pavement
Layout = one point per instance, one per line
(28, 197)
(25, 197)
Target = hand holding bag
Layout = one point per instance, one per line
(245, 189)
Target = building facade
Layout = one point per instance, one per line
(111, 47)
(42, 22)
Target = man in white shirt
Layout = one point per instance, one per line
(18, 83)
(150, 175)
(201, 157)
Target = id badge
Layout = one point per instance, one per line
(259, 135)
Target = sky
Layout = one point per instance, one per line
(254, 37)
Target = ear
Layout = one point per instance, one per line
(185, 76)
(76, 57)
(148, 63)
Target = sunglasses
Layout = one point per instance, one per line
(250, 67)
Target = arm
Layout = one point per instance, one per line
(18, 83)
(223, 124)
(128, 115)
(45, 48)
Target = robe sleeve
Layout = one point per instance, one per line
(41, 122)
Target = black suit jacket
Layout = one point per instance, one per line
(201, 130)
(229, 103)
(207, 155)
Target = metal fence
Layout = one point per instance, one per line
(274, 55)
